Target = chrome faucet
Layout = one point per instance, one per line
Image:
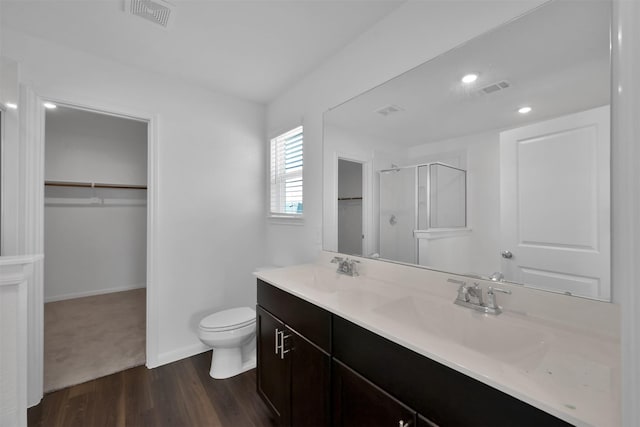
(497, 277)
(475, 294)
(491, 299)
(346, 266)
(471, 297)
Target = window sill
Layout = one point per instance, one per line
(286, 220)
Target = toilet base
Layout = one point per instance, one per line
(228, 362)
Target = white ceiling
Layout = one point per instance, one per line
(556, 59)
(253, 49)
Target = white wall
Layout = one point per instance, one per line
(98, 248)
(210, 229)
(84, 146)
(93, 249)
(9, 168)
(415, 32)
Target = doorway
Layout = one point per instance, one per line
(350, 207)
(95, 244)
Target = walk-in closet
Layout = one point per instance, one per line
(95, 239)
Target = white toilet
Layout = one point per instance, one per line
(232, 334)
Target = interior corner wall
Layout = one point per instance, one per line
(412, 34)
(209, 229)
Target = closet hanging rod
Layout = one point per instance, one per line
(92, 185)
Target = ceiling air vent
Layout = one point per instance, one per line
(157, 11)
(387, 110)
(494, 87)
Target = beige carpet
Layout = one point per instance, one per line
(90, 337)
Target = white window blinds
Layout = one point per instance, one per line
(286, 173)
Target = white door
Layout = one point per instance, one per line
(555, 204)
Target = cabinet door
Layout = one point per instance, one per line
(310, 382)
(272, 370)
(358, 402)
(424, 422)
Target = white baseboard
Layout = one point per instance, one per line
(92, 293)
(178, 354)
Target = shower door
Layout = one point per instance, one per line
(398, 215)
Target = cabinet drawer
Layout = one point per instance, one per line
(308, 320)
(443, 395)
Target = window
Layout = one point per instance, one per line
(286, 174)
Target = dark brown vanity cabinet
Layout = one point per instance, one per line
(273, 373)
(294, 372)
(359, 402)
(319, 369)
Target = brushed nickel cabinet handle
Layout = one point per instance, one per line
(282, 350)
(277, 350)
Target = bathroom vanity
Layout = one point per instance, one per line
(355, 351)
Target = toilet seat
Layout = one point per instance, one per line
(234, 318)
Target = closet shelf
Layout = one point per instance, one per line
(92, 201)
(92, 185)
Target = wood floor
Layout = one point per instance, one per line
(178, 394)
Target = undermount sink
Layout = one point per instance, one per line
(512, 343)
(321, 280)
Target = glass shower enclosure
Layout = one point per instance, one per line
(425, 197)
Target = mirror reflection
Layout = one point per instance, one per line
(491, 160)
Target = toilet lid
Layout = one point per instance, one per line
(233, 318)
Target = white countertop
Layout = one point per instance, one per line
(569, 372)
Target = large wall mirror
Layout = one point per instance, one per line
(491, 160)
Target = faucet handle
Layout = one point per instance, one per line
(492, 304)
(463, 290)
(504, 291)
(337, 259)
(457, 282)
(354, 267)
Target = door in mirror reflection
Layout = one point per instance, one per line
(350, 208)
(555, 203)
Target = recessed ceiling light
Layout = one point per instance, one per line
(49, 105)
(524, 110)
(469, 78)
(11, 105)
